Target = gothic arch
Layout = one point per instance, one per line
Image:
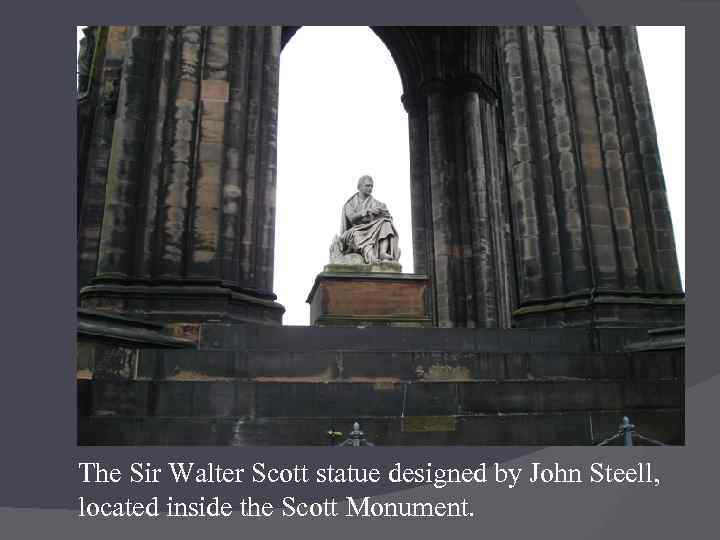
(537, 192)
(452, 104)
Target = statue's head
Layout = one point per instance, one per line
(365, 184)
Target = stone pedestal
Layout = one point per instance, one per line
(369, 295)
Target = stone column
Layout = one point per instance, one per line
(590, 216)
(460, 203)
(420, 197)
(125, 168)
(479, 173)
(188, 226)
(469, 209)
(499, 212)
(97, 115)
(444, 255)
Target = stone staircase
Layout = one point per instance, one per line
(261, 385)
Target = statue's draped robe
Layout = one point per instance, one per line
(362, 234)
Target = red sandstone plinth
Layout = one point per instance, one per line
(369, 299)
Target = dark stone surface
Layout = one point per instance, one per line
(578, 428)
(537, 203)
(283, 398)
(537, 192)
(180, 198)
(301, 338)
(434, 385)
(669, 338)
(180, 302)
(111, 329)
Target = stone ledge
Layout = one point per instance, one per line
(660, 339)
(126, 331)
(194, 303)
(563, 428)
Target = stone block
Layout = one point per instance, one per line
(190, 432)
(173, 398)
(310, 365)
(358, 399)
(368, 299)
(287, 399)
(109, 431)
(119, 398)
(211, 398)
(431, 399)
(382, 365)
(188, 365)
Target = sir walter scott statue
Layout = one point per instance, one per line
(366, 232)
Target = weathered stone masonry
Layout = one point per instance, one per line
(538, 201)
(189, 207)
(593, 236)
(537, 193)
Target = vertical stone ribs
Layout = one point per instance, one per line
(188, 225)
(643, 162)
(621, 244)
(127, 155)
(538, 196)
(630, 160)
(111, 47)
(469, 214)
(250, 157)
(265, 222)
(178, 145)
(151, 242)
(479, 122)
(593, 239)
(521, 165)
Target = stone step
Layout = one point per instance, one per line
(343, 399)
(247, 384)
(224, 336)
(569, 428)
(404, 366)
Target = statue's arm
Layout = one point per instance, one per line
(355, 216)
(382, 211)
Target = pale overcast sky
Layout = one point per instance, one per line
(340, 117)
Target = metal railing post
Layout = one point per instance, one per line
(356, 438)
(627, 430)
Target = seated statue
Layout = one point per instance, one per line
(366, 229)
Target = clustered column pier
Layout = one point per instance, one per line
(538, 198)
(593, 236)
(188, 219)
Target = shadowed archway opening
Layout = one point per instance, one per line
(340, 116)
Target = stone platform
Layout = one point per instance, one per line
(369, 295)
(255, 385)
